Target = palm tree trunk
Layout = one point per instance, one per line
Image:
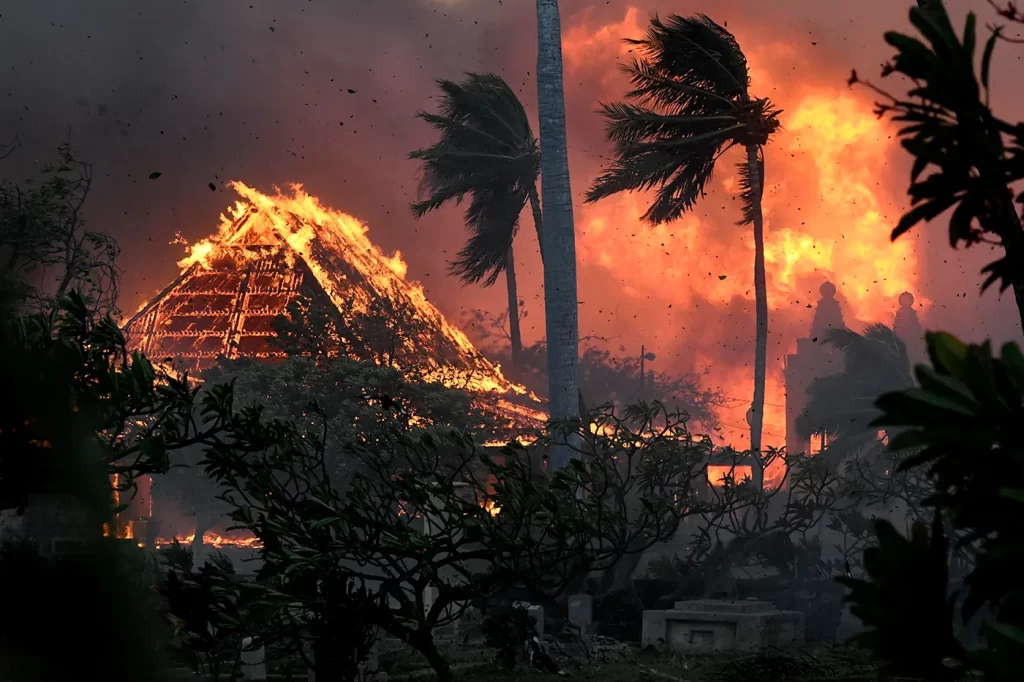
(538, 220)
(756, 170)
(558, 237)
(513, 309)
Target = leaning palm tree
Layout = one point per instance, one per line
(691, 104)
(843, 405)
(488, 152)
(558, 238)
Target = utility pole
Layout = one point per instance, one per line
(644, 356)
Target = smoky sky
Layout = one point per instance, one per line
(324, 93)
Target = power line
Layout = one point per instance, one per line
(746, 426)
(742, 400)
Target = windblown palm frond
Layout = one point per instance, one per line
(691, 105)
(486, 151)
(843, 405)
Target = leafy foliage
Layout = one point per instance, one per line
(203, 604)
(690, 82)
(691, 105)
(605, 378)
(365, 402)
(973, 156)
(383, 332)
(432, 512)
(487, 151)
(876, 362)
(87, 601)
(43, 236)
(905, 602)
(87, 409)
(506, 631)
(962, 425)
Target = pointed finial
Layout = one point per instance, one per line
(828, 315)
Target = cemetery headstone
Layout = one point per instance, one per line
(538, 616)
(581, 612)
(254, 661)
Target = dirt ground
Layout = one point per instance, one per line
(628, 663)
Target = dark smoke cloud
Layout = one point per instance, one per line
(258, 90)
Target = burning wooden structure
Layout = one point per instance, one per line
(270, 251)
(273, 250)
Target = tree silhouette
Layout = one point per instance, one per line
(487, 151)
(693, 103)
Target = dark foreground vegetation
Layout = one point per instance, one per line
(381, 516)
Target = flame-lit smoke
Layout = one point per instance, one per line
(687, 287)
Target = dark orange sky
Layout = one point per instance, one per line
(260, 93)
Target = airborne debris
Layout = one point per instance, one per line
(154, 175)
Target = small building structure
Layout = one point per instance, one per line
(814, 358)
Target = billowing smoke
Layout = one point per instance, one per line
(324, 93)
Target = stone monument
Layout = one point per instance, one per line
(722, 625)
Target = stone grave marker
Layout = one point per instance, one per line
(254, 661)
(581, 612)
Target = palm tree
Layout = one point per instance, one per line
(843, 405)
(488, 152)
(692, 103)
(558, 238)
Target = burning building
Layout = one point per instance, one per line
(270, 251)
(273, 250)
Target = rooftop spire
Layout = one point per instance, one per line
(828, 315)
(907, 325)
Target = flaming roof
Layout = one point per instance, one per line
(271, 250)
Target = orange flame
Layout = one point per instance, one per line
(213, 539)
(311, 229)
(719, 474)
